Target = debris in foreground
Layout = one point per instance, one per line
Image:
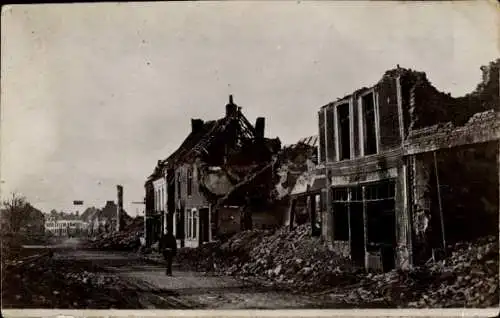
(41, 282)
(294, 260)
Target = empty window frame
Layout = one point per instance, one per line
(192, 224)
(369, 136)
(344, 131)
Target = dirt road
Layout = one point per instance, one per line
(186, 289)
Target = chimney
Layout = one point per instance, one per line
(119, 208)
(485, 74)
(231, 108)
(260, 123)
(196, 125)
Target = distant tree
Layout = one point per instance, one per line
(17, 212)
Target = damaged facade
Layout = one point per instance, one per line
(391, 152)
(197, 192)
(304, 183)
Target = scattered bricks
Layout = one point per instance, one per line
(61, 284)
(468, 277)
(125, 240)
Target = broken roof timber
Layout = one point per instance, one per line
(198, 142)
(249, 178)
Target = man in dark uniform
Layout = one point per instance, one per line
(246, 214)
(168, 246)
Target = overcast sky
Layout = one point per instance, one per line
(94, 94)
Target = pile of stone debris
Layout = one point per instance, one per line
(294, 258)
(468, 277)
(220, 256)
(42, 282)
(126, 240)
(282, 257)
(116, 241)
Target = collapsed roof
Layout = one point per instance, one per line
(204, 135)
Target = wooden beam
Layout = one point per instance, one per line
(438, 185)
(248, 179)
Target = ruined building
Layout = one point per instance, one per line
(300, 182)
(198, 191)
(409, 169)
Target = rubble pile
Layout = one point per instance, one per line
(116, 241)
(125, 240)
(295, 258)
(218, 256)
(41, 282)
(282, 257)
(91, 278)
(467, 278)
(136, 224)
(199, 259)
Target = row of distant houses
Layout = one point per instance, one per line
(397, 171)
(65, 225)
(92, 221)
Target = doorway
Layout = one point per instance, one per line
(381, 221)
(357, 234)
(204, 226)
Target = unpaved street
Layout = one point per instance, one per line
(186, 289)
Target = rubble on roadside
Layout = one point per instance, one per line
(295, 258)
(125, 240)
(281, 257)
(41, 282)
(118, 241)
(468, 277)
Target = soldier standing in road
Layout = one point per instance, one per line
(246, 214)
(168, 246)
